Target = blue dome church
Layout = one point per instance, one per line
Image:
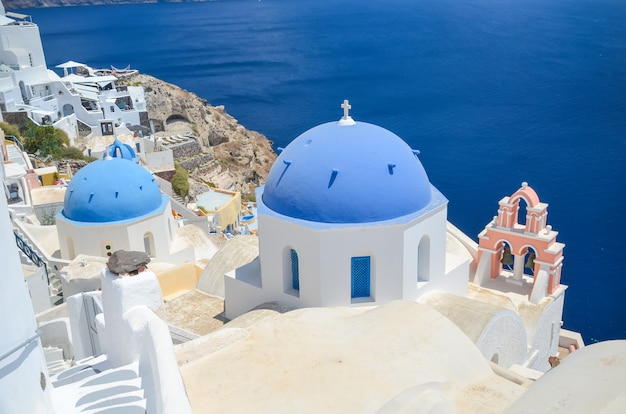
(116, 204)
(347, 217)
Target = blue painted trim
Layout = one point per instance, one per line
(295, 270)
(360, 276)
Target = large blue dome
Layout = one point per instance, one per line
(355, 173)
(110, 190)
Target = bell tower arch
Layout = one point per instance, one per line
(507, 248)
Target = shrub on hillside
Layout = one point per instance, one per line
(46, 140)
(10, 129)
(180, 181)
(71, 153)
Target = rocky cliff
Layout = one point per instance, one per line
(229, 155)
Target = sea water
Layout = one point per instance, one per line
(493, 93)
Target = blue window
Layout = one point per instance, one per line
(295, 272)
(361, 277)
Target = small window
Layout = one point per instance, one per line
(148, 244)
(423, 260)
(108, 250)
(295, 271)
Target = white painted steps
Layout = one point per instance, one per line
(92, 386)
(55, 360)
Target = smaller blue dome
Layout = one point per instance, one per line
(110, 190)
(347, 173)
(120, 150)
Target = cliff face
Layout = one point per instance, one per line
(229, 152)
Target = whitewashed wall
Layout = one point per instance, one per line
(23, 372)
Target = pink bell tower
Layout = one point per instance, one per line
(507, 246)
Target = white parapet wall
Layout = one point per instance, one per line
(158, 369)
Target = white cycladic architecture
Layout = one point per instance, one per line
(26, 85)
(499, 334)
(120, 294)
(24, 382)
(115, 204)
(347, 217)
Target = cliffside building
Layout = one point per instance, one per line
(75, 102)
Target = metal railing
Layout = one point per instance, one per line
(22, 345)
(31, 254)
(16, 140)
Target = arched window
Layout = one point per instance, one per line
(67, 109)
(295, 270)
(495, 358)
(506, 258)
(361, 277)
(529, 261)
(423, 260)
(522, 211)
(148, 244)
(70, 248)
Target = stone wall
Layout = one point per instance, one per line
(197, 162)
(75, 165)
(15, 118)
(186, 150)
(166, 175)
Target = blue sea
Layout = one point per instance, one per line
(492, 92)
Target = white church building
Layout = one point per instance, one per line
(400, 310)
(348, 217)
(115, 204)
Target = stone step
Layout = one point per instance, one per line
(178, 198)
(56, 300)
(128, 405)
(54, 281)
(55, 360)
(56, 367)
(100, 388)
(53, 354)
(112, 389)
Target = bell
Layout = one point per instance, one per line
(507, 257)
(530, 263)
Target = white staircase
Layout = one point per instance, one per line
(56, 291)
(55, 360)
(15, 155)
(92, 386)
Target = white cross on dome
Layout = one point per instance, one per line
(346, 119)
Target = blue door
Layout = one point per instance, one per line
(361, 277)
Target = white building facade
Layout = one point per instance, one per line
(24, 382)
(28, 86)
(115, 204)
(347, 217)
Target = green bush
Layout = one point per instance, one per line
(71, 153)
(45, 139)
(10, 129)
(180, 181)
(248, 197)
